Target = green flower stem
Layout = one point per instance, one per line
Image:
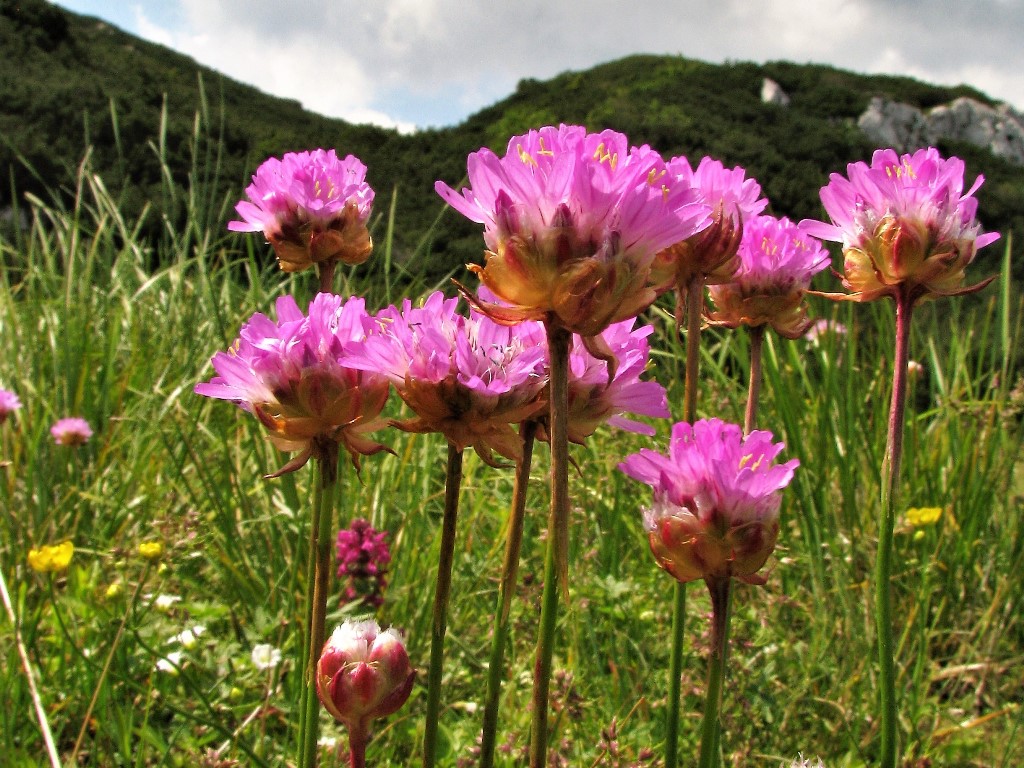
(558, 538)
(319, 543)
(506, 588)
(452, 486)
(694, 311)
(710, 736)
(754, 389)
(886, 524)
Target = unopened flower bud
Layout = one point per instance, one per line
(363, 673)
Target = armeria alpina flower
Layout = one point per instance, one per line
(9, 403)
(468, 378)
(716, 500)
(594, 400)
(363, 673)
(709, 254)
(293, 375)
(777, 260)
(51, 558)
(906, 225)
(572, 222)
(71, 431)
(363, 558)
(312, 207)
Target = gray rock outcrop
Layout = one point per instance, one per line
(905, 128)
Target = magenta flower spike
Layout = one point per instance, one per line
(312, 207)
(294, 375)
(363, 557)
(9, 403)
(777, 260)
(572, 222)
(468, 378)
(709, 255)
(716, 502)
(72, 431)
(906, 225)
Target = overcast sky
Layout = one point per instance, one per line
(410, 63)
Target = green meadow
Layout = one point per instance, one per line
(99, 321)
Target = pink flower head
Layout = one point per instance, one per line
(73, 431)
(572, 222)
(293, 374)
(468, 378)
(363, 673)
(777, 261)
(709, 255)
(823, 328)
(594, 400)
(905, 223)
(9, 403)
(311, 207)
(716, 500)
(363, 558)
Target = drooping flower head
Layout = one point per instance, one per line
(716, 500)
(293, 375)
(72, 431)
(363, 558)
(9, 403)
(709, 255)
(363, 673)
(906, 225)
(312, 207)
(572, 222)
(777, 260)
(468, 378)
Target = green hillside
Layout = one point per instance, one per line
(68, 82)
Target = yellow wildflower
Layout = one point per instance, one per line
(919, 516)
(49, 559)
(151, 550)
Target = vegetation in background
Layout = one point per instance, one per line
(67, 81)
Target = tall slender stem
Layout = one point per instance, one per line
(558, 538)
(358, 738)
(694, 311)
(754, 388)
(326, 276)
(325, 487)
(886, 525)
(442, 589)
(506, 588)
(710, 739)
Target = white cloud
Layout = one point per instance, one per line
(396, 62)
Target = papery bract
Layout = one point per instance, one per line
(363, 673)
(294, 375)
(708, 255)
(716, 500)
(470, 379)
(312, 207)
(905, 223)
(777, 260)
(572, 222)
